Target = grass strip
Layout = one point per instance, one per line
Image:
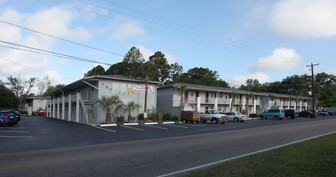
(316, 157)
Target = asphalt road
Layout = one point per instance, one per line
(48, 147)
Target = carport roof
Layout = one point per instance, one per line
(96, 78)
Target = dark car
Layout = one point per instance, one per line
(7, 118)
(17, 115)
(306, 114)
(290, 113)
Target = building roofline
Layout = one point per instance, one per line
(229, 90)
(95, 78)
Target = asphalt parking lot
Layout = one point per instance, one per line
(38, 132)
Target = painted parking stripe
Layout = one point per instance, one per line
(133, 128)
(16, 137)
(163, 128)
(195, 125)
(180, 126)
(12, 131)
(109, 130)
(244, 155)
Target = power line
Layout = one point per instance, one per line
(59, 38)
(213, 37)
(148, 21)
(57, 54)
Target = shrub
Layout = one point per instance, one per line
(141, 117)
(120, 119)
(175, 118)
(166, 117)
(254, 115)
(24, 112)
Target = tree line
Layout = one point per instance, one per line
(300, 85)
(14, 92)
(157, 68)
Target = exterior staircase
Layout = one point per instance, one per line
(89, 111)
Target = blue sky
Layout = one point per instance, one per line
(266, 40)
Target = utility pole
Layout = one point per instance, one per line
(313, 90)
(146, 89)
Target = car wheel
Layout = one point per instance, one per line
(276, 117)
(236, 119)
(214, 121)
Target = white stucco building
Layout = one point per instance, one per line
(75, 102)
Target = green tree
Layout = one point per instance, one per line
(181, 89)
(134, 55)
(129, 107)
(233, 96)
(175, 71)
(248, 96)
(251, 85)
(97, 70)
(159, 60)
(53, 88)
(108, 104)
(202, 76)
(21, 87)
(8, 99)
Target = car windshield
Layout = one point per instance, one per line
(239, 113)
(214, 112)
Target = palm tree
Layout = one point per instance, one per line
(181, 90)
(129, 107)
(248, 97)
(108, 104)
(233, 96)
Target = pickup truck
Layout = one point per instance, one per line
(273, 113)
(213, 116)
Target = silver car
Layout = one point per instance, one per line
(236, 116)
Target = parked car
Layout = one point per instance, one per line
(213, 116)
(39, 112)
(7, 118)
(274, 113)
(290, 113)
(323, 113)
(236, 116)
(17, 115)
(306, 114)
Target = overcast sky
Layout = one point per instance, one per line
(266, 40)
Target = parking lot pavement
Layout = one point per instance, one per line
(37, 132)
(14, 132)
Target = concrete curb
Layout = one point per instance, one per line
(107, 125)
(130, 123)
(151, 123)
(168, 122)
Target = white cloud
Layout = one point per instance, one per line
(128, 30)
(55, 21)
(303, 18)
(241, 79)
(331, 71)
(147, 53)
(281, 59)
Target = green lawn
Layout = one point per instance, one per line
(316, 157)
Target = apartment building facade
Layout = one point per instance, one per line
(76, 101)
(200, 98)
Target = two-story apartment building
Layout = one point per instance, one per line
(76, 101)
(201, 98)
(285, 101)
